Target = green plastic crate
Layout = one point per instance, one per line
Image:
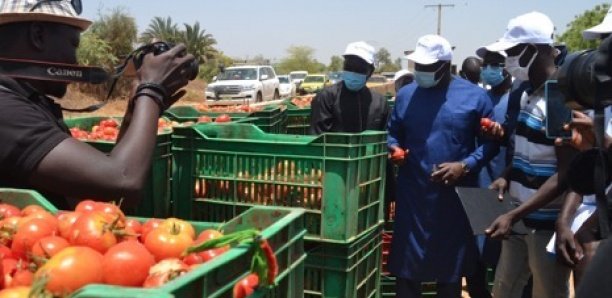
(271, 119)
(337, 178)
(283, 227)
(157, 194)
(344, 270)
(298, 121)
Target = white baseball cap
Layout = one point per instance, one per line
(62, 12)
(603, 28)
(482, 51)
(362, 50)
(431, 49)
(533, 27)
(401, 73)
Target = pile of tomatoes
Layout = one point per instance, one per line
(303, 102)
(55, 255)
(108, 130)
(227, 108)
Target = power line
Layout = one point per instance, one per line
(440, 6)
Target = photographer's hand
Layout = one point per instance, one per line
(168, 69)
(583, 134)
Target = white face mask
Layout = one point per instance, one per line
(515, 69)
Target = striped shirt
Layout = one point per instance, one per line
(534, 159)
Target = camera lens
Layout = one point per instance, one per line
(580, 177)
(576, 79)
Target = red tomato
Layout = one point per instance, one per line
(204, 119)
(44, 215)
(113, 210)
(134, 225)
(65, 222)
(86, 206)
(71, 269)
(126, 257)
(109, 123)
(193, 259)
(28, 233)
(164, 244)
(7, 210)
(21, 278)
(149, 226)
(164, 272)
(223, 118)
(246, 286)
(5, 252)
(93, 230)
(178, 226)
(17, 292)
(486, 122)
(28, 210)
(49, 246)
(398, 154)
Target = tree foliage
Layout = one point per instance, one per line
(300, 58)
(161, 29)
(572, 37)
(210, 68)
(336, 63)
(382, 57)
(93, 50)
(118, 29)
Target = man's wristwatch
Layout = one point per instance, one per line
(466, 169)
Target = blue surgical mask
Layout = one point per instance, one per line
(354, 81)
(427, 79)
(492, 75)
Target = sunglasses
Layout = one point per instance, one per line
(76, 5)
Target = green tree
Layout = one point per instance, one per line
(95, 51)
(572, 37)
(382, 57)
(299, 58)
(398, 63)
(336, 63)
(118, 29)
(161, 29)
(198, 42)
(210, 68)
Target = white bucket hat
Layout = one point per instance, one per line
(53, 11)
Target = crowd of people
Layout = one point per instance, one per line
(437, 140)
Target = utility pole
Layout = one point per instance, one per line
(440, 6)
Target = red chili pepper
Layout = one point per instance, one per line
(246, 286)
(270, 259)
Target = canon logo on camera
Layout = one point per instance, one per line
(54, 71)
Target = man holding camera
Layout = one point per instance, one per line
(37, 150)
(538, 167)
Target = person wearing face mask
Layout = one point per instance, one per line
(349, 105)
(535, 176)
(437, 123)
(498, 81)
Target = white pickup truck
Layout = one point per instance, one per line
(238, 84)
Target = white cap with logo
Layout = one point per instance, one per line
(362, 50)
(533, 27)
(400, 73)
(604, 28)
(431, 49)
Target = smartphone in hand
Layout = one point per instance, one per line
(557, 113)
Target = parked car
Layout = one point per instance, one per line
(286, 87)
(335, 77)
(376, 80)
(297, 77)
(244, 83)
(388, 75)
(314, 83)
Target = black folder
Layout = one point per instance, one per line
(482, 208)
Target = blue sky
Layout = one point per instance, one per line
(247, 28)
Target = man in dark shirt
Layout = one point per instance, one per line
(37, 150)
(350, 106)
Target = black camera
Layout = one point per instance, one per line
(585, 78)
(160, 47)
